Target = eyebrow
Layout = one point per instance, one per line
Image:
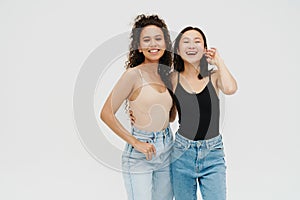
(196, 38)
(154, 36)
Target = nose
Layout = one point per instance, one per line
(153, 43)
(192, 45)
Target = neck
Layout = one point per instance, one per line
(191, 69)
(150, 66)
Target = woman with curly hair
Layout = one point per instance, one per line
(145, 85)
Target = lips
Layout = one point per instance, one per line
(153, 50)
(191, 52)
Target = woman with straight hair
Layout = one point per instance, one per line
(198, 153)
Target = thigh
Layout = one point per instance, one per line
(138, 185)
(213, 180)
(183, 183)
(136, 174)
(183, 174)
(162, 188)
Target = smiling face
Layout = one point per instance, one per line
(152, 43)
(191, 47)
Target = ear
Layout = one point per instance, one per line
(140, 49)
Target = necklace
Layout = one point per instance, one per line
(202, 82)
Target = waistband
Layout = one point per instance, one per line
(150, 134)
(187, 142)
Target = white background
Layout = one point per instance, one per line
(43, 45)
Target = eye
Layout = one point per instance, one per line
(158, 39)
(185, 41)
(146, 40)
(198, 41)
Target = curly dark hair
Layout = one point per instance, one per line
(135, 57)
(177, 60)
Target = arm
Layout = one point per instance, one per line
(224, 81)
(119, 94)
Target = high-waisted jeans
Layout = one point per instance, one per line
(149, 179)
(201, 161)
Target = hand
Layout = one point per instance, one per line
(145, 148)
(213, 57)
(132, 118)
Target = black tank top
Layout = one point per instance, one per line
(198, 113)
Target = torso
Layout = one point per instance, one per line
(198, 107)
(150, 102)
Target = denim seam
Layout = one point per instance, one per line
(129, 172)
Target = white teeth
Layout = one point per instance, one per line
(153, 50)
(191, 52)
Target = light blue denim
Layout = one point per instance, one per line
(201, 161)
(149, 179)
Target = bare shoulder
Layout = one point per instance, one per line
(130, 73)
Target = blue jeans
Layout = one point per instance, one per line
(201, 161)
(149, 179)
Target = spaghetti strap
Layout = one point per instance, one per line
(209, 76)
(142, 78)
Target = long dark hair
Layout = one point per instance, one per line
(177, 60)
(136, 58)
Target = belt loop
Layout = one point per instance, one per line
(207, 144)
(154, 138)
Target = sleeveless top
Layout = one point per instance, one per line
(199, 113)
(151, 108)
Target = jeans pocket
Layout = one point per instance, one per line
(218, 145)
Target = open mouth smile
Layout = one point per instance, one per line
(153, 51)
(191, 52)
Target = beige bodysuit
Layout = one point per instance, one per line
(151, 108)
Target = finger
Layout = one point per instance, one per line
(209, 60)
(132, 119)
(130, 111)
(212, 51)
(208, 56)
(147, 156)
(154, 150)
(150, 155)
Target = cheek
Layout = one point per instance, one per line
(200, 48)
(162, 44)
(143, 45)
(181, 50)
(183, 46)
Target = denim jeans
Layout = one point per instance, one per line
(201, 161)
(149, 179)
